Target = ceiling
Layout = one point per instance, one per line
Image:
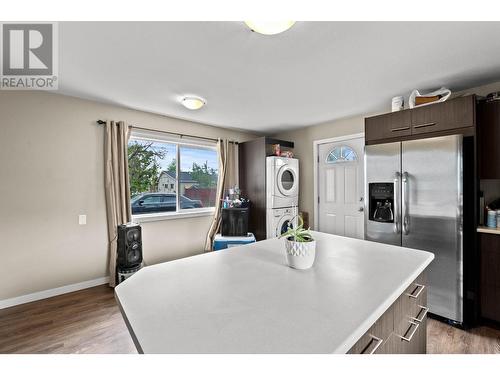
(313, 73)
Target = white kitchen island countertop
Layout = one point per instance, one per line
(247, 300)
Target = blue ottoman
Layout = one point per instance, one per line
(221, 242)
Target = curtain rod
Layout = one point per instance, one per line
(101, 122)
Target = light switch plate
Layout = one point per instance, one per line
(82, 219)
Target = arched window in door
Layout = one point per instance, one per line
(341, 154)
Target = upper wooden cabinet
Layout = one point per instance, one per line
(452, 116)
(489, 135)
(391, 125)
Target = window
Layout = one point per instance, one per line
(341, 154)
(198, 177)
(169, 175)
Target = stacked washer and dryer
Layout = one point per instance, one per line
(282, 194)
(271, 183)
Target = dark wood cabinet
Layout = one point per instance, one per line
(489, 138)
(393, 125)
(252, 179)
(453, 116)
(402, 329)
(488, 130)
(252, 176)
(410, 318)
(375, 340)
(490, 276)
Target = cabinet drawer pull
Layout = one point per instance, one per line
(419, 289)
(423, 311)
(374, 340)
(412, 329)
(424, 125)
(400, 129)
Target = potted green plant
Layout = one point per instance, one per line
(300, 246)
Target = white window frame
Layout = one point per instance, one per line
(178, 140)
(342, 160)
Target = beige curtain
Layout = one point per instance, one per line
(116, 185)
(228, 177)
(231, 166)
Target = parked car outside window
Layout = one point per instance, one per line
(161, 202)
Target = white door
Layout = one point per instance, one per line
(341, 187)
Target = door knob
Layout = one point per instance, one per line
(361, 209)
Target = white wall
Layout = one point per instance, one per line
(51, 170)
(305, 137)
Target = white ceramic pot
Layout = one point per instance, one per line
(300, 255)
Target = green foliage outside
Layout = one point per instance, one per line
(172, 167)
(204, 175)
(144, 168)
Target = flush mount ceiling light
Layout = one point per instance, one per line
(191, 102)
(269, 27)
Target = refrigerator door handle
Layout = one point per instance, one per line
(397, 203)
(404, 191)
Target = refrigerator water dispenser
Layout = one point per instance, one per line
(381, 202)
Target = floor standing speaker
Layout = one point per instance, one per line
(129, 246)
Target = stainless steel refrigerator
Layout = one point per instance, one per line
(414, 198)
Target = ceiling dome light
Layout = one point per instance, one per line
(269, 27)
(193, 103)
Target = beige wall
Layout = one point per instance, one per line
(51, 170)
(305, 137)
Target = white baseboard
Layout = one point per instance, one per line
(52, 292)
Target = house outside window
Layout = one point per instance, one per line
(171, 176)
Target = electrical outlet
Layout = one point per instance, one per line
(82, 219)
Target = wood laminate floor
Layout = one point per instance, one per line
(89, 321)
(445, 339)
